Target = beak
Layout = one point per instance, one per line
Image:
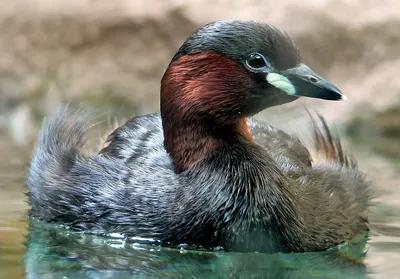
(303, 82)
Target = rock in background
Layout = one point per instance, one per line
(113, 53)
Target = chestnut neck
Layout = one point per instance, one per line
(197, 110)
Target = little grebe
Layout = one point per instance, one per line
(202, 173)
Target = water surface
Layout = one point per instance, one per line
(37, 250)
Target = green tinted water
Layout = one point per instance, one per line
(37, 250)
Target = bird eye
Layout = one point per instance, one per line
(256, 61)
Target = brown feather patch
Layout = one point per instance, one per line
(243, 130)
(328, 147)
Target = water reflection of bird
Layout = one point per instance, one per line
(201, 172)
(56, 252)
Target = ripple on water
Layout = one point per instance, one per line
(62, 253)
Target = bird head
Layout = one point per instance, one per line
(233, 68)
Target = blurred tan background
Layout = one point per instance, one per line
(113, 53)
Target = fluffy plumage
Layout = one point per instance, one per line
(201, 173)
(131, 188)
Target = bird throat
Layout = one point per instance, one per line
(199, 113)
(189, 143)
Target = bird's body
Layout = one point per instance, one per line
(201, 173)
